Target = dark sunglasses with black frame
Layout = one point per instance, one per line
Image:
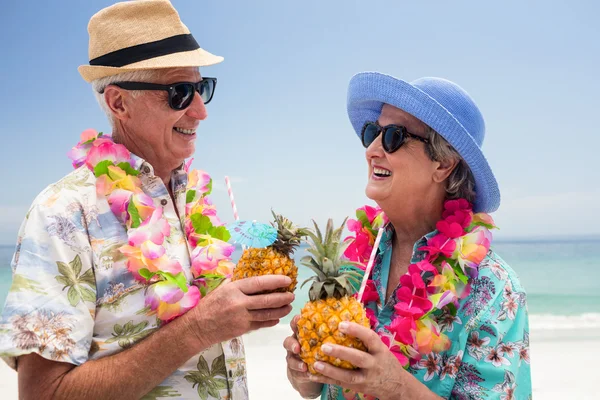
(181, 94)
(393, 135)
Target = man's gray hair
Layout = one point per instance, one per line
(98, 85)
(461, 183)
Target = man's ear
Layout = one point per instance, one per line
(115, 100)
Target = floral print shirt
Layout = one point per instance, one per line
(489, 354)
(72, 298)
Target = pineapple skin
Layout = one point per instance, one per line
(267, 261)
(318, 324)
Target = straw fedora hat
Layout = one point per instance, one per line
(141, 34)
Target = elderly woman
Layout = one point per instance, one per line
(115, 261)
(448, 316)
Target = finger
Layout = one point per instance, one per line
(271, 300)
(300, 376)
(291, 344)
(341, 377)
(326, 380)
(296, 364)
(270, 313)
(294, 324)
(370, 339)
(257, 284)
(358, 358)
(263, 324)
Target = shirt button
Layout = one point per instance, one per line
(164, 202)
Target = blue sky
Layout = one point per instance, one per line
(278, 124)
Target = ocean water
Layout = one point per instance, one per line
(562, 280)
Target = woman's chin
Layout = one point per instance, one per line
(375, 192)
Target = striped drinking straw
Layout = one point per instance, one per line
(230, 192)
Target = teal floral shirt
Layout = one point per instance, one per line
(489, 354)
(73, 299)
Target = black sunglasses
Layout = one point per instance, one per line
(181, 94)
(393, 136)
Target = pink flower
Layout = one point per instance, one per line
(119, 202)
(485, 219)
(404, 310)
(423, 266)
(88, 136)
(187, 165)
(209, 258)
(453, 206)
(450, 229)
(78, 153)
(372, 318)
(458, 211)
(360, 248)
(440, 244)
(199, 181)
(395, 349)
(418, 299)
(429, 338)
(106, 149)
(370, 294)
(472, 248)
(403, 329)
(371, 212)
(143, 204)
(155, 228)
(169, 301)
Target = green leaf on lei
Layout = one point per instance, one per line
(362, 217)
(219, 232)
(129, 170)
(145, 272)
(102, 168)
(178, 279)
(201, 223)
(134, 215)
(190, 196)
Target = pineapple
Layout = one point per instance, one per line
(276, 258)
(330, 300)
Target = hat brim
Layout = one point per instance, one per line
(369, 91)
(193, 58)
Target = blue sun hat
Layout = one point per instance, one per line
(441, 104)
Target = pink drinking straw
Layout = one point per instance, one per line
(230, 192)
(370, 264)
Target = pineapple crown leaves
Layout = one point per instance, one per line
(289, 236)
(335, 277)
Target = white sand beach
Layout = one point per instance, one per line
(561, 369)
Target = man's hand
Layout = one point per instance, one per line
(235, 308)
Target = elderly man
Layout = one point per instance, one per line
(117, 289)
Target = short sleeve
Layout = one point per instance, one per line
(51, 303)
(496, 362)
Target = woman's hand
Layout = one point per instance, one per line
(379, 372)
(297, 371)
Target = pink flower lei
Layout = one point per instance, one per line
(169, 294)
(438, 282)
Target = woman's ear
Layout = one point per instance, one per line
(444, 169)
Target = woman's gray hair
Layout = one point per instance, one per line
(98, 85)
(461, 183)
